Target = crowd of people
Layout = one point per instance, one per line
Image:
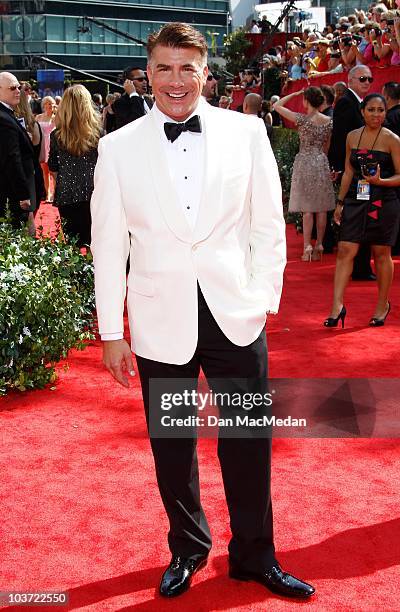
(191, 194)
(64, 133)
(370, 38)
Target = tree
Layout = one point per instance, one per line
(236, 45)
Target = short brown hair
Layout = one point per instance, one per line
(177, 35)
(329, 94)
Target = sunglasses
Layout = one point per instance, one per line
(363, 79)
(210, 77)
(15, 87)
(139, 79)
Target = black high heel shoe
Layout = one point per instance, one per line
(333, 321)
(375, 322)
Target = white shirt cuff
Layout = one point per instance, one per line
(134, 93)
(114, 336)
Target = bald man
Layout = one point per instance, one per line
(252, 105)
(17, 174)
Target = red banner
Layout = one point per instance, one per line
(239, 94)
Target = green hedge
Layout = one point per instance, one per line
(46, 307)
(285, 144)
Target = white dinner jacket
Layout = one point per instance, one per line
(236, 251)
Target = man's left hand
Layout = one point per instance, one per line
(117, 357)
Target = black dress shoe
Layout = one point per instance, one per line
(275, 580)
(365, 277)
(178, 576)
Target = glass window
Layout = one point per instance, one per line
(71, 26)
(56, 28)
(56, 47)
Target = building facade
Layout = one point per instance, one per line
(57, 29)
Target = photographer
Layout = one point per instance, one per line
(293, 57)
(392, 35)
(376, 52)
(335, 66)
(349, 44)
(382, 46)
(377, 11)
(321, 59)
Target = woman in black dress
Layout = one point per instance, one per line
(368, 206)
(72, 159)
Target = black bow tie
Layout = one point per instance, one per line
(173, 130)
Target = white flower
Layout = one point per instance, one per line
(21, 339)
(42, 251)
(56, 259)
(26, 331)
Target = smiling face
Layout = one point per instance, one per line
(177, 76)
(374, 113)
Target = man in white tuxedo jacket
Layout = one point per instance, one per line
(192, 194)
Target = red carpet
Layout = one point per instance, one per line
(80, 507)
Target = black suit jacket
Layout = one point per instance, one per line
(346, 117)
(128, 108)
(16, 159)
(393, 119)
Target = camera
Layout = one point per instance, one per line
(357, 38)
(335, 44)
(335, 55)
(346, 40)
(368, 168)
(378, 32)
(390, 22)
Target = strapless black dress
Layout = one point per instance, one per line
(376, 220)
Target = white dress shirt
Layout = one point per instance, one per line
(185, 160)
(356, 95)
(7, 105)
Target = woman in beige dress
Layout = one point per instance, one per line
(311, 189)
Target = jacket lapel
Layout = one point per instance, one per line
(165, 191)
(167, 197)
(210, 201)
(13, 118)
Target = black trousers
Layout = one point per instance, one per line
(77, 222)
(245, 462)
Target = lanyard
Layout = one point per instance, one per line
(361, 135)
